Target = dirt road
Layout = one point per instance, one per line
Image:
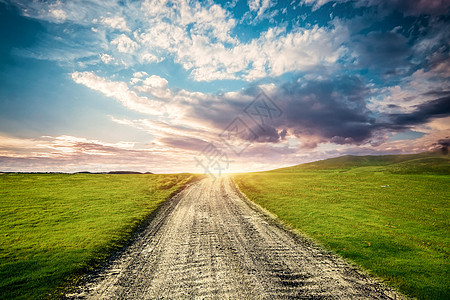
(209, 242)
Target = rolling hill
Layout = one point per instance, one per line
(389, 214)
(421, 163)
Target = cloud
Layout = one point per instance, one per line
(431, 48)
(106, 58)
(140, 74)
(125, 44)
(420, 87)
(115, 22)
(407, 7)
(323, 111)
(188, 143)
(260, 7)
(155, 82)
(444, 144)
(274, 53)
(387, 51)
(120, 92)
(343, 85)
(150, 58)
(437, 108)
(79, 12)
(414, 7)
(162, 131)
(201, 38)
(59, 14)
(155, 86)
(316, 4)
(268, 134)
(334, 109)
(70, 154)
(316, 111)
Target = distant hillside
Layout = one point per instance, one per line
(426, 165)
(124, 172)
(128, 172)
(113, 172)
(420, 163)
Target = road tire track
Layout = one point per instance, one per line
(210, 242)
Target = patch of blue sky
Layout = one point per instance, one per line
(406, 135)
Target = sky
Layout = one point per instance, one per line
(219, 86)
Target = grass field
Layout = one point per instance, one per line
(389, 214)
(55, 226)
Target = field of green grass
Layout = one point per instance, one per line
(54, 227)
(388, 214)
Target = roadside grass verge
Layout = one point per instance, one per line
(55, 226)
(392, 220)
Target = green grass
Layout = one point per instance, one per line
(400, 232)
(57, 226)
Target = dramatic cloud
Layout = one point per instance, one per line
(337, 109)
(414, 7)
(324, 111)
(313, 111)
(386, 51)
(444, 144)
(408, 7)
(438, 108)
(339, 77)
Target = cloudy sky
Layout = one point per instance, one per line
(172, 86)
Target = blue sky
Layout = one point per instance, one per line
(152, 85)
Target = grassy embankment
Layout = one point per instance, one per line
(56, 226)
(389, 214)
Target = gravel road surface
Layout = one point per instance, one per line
(210, 242)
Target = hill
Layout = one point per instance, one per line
(125, 172)
(420, 163)
(389, 214)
